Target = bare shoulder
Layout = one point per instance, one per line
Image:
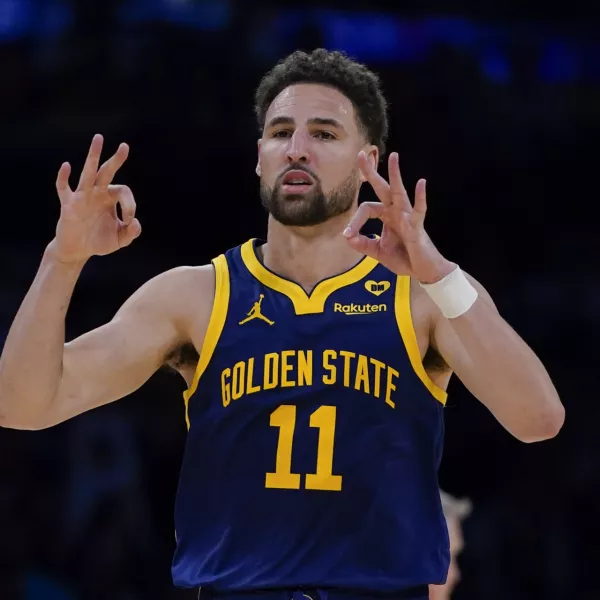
(176, 291)
(183, 285)
(195, 291)
(184, 297)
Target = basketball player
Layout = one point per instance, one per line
(455, 512)
(314, 439)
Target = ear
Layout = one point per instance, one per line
(258, 170)
(372, 153)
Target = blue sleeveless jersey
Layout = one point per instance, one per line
(314, 440)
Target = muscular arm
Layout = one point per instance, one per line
(499, 369)
(117, 358)
(44, 381)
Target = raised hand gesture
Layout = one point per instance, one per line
(404, 246)
(89, 224)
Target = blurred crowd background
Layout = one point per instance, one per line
(496, 104)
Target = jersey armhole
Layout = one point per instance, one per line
(215, 326)
(409, 337)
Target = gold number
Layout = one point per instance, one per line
(284, 418)
(324, 420)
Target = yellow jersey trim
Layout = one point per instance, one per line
(215, 326)
(409, 337)
(304, 304)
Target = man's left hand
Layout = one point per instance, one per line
(404, 246)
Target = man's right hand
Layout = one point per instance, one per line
(89, 224)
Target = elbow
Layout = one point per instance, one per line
(15, 415)
(547, 424)
(23, 423)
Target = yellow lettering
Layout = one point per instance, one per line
(390, 386)
(285, 419)
(362, 374)
(226, 386)
(330, 378)
(237, 384)
(347, 356)
(291, 368)
(285, 382)
(250, 388)
(271, 374)
(323, 479)
(305, 367)
(377, 382)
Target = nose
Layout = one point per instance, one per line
(298, 150)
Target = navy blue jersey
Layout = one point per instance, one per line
(314, 440)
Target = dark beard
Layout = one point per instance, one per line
(310, 209)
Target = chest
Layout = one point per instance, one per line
(348, 339)
(257, 311)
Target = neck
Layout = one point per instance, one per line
(308, 255)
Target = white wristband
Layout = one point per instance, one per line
(454, 294)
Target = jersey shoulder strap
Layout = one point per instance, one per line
(215, 325)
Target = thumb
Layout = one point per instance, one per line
(128, 233)
(365, 245)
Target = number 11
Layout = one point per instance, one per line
(323, 419)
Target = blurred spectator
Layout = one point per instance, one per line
(455, 512)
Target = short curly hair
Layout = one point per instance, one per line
(335, 69)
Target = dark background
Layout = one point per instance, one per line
(496, 104)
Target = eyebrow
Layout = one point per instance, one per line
(314, 121)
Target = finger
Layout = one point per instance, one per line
(109, 169)
(378, 183)
(124, 196)
(365, 245)
(128, 233)
(366, 211)
(398, 191)
(62, 181)
(88, 174)
(421, 199)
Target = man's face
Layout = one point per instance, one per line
(308, 155)
(444, 592)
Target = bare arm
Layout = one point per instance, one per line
(487, 355)
(499, 369)
(31, 361)
(44, 381)
(114, 360)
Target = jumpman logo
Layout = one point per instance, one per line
(255, 313)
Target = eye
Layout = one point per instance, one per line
(325, 135)
(281, 133)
